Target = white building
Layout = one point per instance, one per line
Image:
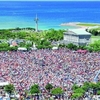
(77, 36)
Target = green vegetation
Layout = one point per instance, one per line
(25, 45)
(57, 91)
(43, 44)
(72, 46)
(54, 35)
(88, 24)
(34, 89)
(6, 47)
(14, 33)
(94, 31)
(42, 39)
(30, 34)
(95, 46)
(94, 38)
(48, 87)
(9, 89)
(80, 91)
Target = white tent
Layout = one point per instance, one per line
(54, 48)
(22, 49)
(3, 83)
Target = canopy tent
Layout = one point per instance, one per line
(22, 49)
(3, 83)
(54, 48)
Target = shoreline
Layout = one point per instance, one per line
(67, 25)
(81, 24)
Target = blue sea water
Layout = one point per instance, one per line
(50, 13)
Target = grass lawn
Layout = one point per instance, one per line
(88, 24)
(95, 38)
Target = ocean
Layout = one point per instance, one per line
(50, 13)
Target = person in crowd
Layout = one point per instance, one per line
(61, 67)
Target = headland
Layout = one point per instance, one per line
(81, 24)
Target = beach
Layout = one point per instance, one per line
(81, 25)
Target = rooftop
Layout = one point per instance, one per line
(79, 31)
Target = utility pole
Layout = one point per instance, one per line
(36, 22)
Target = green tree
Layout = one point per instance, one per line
(9, 89)
(72, 46)
(62, 45)
(57, 91)
(94, 32)
(54, 35)
(93, 85)
(76, 95)
(79, 90)
(14, 48)
(21, 34)
(87, 86)
(74, 87)
(98, 85)
(43, 44)
(35, 89)
(98, 92)
(95, 46)
(48, 87)
(33, 37)
(4, 46)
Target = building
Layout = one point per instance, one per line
(77, 37)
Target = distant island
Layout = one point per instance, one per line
(81, 25)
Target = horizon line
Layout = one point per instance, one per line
(55, 1)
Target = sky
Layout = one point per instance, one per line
(49, 0)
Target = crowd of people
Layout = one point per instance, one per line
(60, 67)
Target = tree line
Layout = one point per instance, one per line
(46, 44)
(42, 39)
(88, 89)
(80, 92)
(35, 91)
(95, 31)
(93, 47)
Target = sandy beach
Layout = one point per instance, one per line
(80, 25)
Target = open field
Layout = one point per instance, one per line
(81, 25)
(95, 38)
(88, 24)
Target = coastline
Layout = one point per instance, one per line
(69, 25)
(81, 25)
